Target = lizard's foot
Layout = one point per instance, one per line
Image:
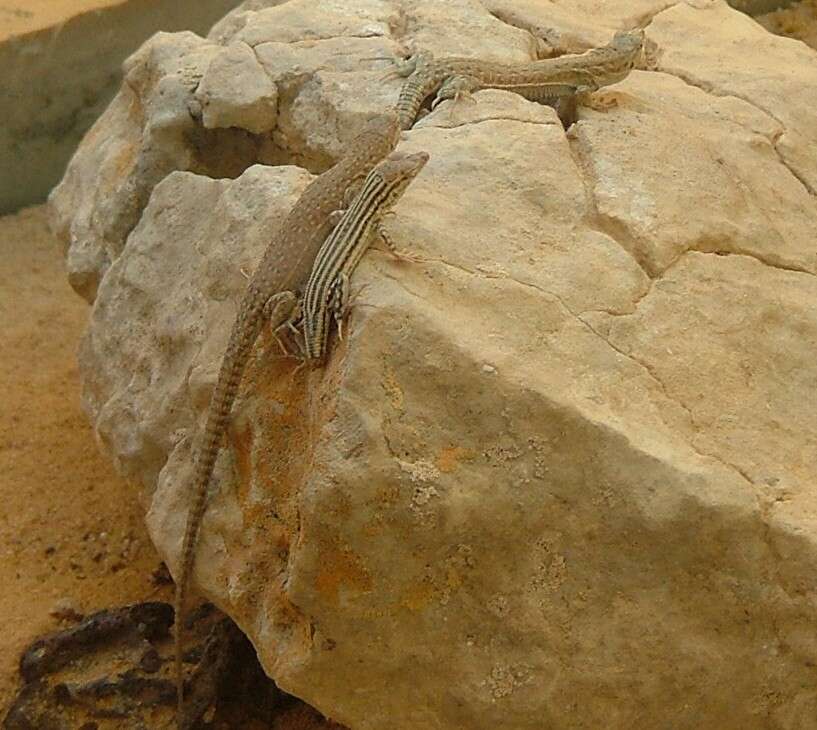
(289, 340)
(281, 344)
(403, 66)
(400, 62)
(342, 300)
(456, 88)
(392, 75)
(281, 312)
(456, 96)
(465, 95)
(387, 244)
(300, 366)
(406, 256)
(354, 296)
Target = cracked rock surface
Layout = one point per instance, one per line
(561, 473)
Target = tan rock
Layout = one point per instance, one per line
(727, 53)
(560, 474)
(235, 91)
(714, 158)
(150, 129)
(575, 26)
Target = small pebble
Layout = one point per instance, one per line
(66, 609)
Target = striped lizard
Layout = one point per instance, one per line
(270, 298)
(545, 80)
(327, 290)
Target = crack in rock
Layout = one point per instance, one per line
(645, 367)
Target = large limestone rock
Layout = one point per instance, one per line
(559, 475)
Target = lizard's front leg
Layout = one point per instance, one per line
(341, 301)
(281, 311)
(405, 66)
(382, 234)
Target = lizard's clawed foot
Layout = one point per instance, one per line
(403, 65)
(352, 301)
(456, 88)
(455, 94)
(289, 340)
(291, 347)
(406, 256)
(388, 245)
(390, 75)
(281, 344)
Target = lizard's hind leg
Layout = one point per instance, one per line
(456, 88)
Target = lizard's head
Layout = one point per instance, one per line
(397, 171)
(629, 42)
(622, 54)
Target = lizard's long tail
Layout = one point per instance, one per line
(413, 93)
(245, 331)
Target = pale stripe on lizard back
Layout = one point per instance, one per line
(345, 246)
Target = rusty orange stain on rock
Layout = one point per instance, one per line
(418, 596)
(341, 569)
(449, 458)
(393, 390)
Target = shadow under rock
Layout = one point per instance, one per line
(114, 670)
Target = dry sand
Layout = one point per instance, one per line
(70, 528)
(18, 17)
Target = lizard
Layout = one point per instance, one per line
(271, 298)
(545, 80)
(327, 289)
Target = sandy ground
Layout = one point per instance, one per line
(24, 16)
(70, 529)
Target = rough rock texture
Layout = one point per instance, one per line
(561, 474)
